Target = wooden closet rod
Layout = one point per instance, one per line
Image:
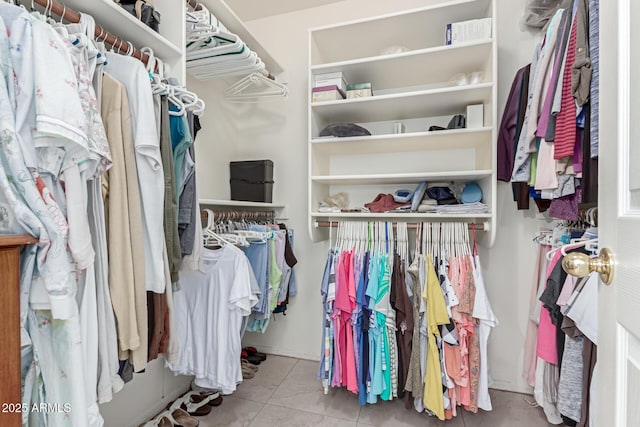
(100, 33)
(238, 215)
(410, 225)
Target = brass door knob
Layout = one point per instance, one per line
(580, 265)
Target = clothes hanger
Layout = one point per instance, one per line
(256, 87)
(573, 245)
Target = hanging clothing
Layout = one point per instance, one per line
(436, 315)
(209, 311)
(131, 73)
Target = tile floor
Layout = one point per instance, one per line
(285, 392)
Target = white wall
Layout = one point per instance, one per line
(278, 131)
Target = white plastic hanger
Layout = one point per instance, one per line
(590, 245)
(256, 87)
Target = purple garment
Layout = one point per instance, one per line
(566, 207)
(336, 380)
(577, 154)
(508, 128)
(357, 273)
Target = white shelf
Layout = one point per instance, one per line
(395, 215)
(240, 204)
(415, 29)
(227, 16)
(410, 68)
(405, 142)
(401, 178)
(410, 87)
(404, 105)
(121, 23)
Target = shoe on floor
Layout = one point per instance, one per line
(247, 373)
(252, 351)
(247, 364)
(214, 398)
(182, 418)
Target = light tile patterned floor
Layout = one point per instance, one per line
(285, 392)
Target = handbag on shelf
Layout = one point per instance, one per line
(144, 11)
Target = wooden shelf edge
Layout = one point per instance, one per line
(16, 240)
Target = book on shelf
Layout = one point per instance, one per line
(468, 31)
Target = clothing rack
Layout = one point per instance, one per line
(101, 34)
(240, 215)
(483, 226)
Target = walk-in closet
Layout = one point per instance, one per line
(319, 212)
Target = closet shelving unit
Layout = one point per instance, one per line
(412, 87)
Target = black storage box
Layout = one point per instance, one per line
(252, 181)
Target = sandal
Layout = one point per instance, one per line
(214, 398)
(181, 418)
(246, 363)
(191, 407)
(200, 411)
(170, 418)
(247, 373)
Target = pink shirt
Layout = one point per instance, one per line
(546, 347)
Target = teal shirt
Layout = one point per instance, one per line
(181, 140)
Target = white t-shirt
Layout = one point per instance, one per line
(132, 74)
(208, 314)
(488, 320)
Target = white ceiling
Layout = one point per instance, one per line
(252, 9)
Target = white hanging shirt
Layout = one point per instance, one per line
(208, 314)
(132, 74)
(488, 320)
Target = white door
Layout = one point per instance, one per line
(618, 392)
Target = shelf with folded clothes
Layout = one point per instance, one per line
(431, 198)
(441, 101)
(414, 29)
(433, 195)
(166, 44)
(407, 69)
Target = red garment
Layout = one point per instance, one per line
(566, 122)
